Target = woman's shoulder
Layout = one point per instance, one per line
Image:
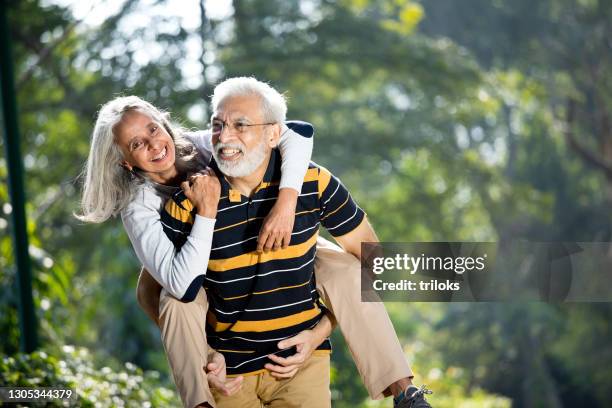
(145, 197)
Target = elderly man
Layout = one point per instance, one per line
(265, 315)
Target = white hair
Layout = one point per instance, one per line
(108, 187)
(273, 103)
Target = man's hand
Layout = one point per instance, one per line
(216, 375)
(278, 224)
(203, 190)
(305, 343)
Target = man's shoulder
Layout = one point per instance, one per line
(315, 170)
(317, 178)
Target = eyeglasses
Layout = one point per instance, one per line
(217, 126)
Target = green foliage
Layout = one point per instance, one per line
(447, 120)
(74, 368)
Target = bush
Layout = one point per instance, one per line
(96, 387)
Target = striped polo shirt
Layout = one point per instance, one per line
(257, 300)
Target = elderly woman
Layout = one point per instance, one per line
(137, 160)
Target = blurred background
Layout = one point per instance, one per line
(474, 120)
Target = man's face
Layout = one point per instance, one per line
(145, 144)
(239, 148)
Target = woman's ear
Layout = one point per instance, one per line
(126, 165)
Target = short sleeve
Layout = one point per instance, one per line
(340, 214)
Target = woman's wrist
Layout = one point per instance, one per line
(287, 198)
(207, 212)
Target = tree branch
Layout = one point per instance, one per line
(587, 155)
(44, 54)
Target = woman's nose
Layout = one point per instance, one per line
(154, 144)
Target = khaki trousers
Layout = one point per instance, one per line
(366, 328)
(308, 388)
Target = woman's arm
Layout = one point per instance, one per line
(182, 272)
(296, 150)
(295, 145)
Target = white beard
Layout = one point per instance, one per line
(244, 166)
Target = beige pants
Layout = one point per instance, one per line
(308, 388)
(338, 276)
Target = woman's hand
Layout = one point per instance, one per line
(278, 224)
(203, 190)
(305, 342)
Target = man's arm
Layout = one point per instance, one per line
(351, 242)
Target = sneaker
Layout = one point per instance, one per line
(413, 397)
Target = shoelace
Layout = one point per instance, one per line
(421, 391)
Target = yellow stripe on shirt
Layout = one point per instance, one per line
(260, 326)
(324, 178)
(254, 257)
(267, 291)
(178, 213)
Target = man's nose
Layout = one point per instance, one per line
(226, 134)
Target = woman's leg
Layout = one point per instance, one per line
(147, 294)
(183, 334)
(363, 324)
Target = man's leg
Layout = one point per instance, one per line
(245, 397)
(308, 388)
(383, 367)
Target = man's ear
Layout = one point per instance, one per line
(126, 165)
(273, 136)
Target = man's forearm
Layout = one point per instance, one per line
(351, 242)
(323, 329)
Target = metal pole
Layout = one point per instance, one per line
(27, 316)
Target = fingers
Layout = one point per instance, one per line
(286, 239)
(291, 341)
(185, 185)
(296, 359)
(217, 365)
(275, 233)
(290, 374)
(280, 369)
(228, 387)
(261, 240)
(232, 385)
(270, 242)
(214, 369)
(278, 242)
(266, 240)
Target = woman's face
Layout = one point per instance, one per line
(146, 145)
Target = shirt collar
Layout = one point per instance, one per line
(272, 173)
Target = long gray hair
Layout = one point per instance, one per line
(107, 186)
